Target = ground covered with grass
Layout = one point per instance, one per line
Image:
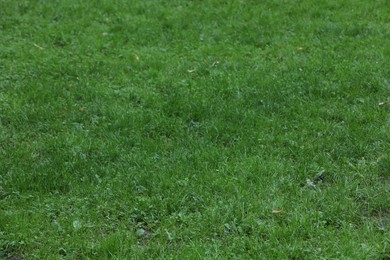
(194, 129)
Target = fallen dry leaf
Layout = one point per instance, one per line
(275, 211)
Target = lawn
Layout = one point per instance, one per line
(194, 129)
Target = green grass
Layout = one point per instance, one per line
(173, 129)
